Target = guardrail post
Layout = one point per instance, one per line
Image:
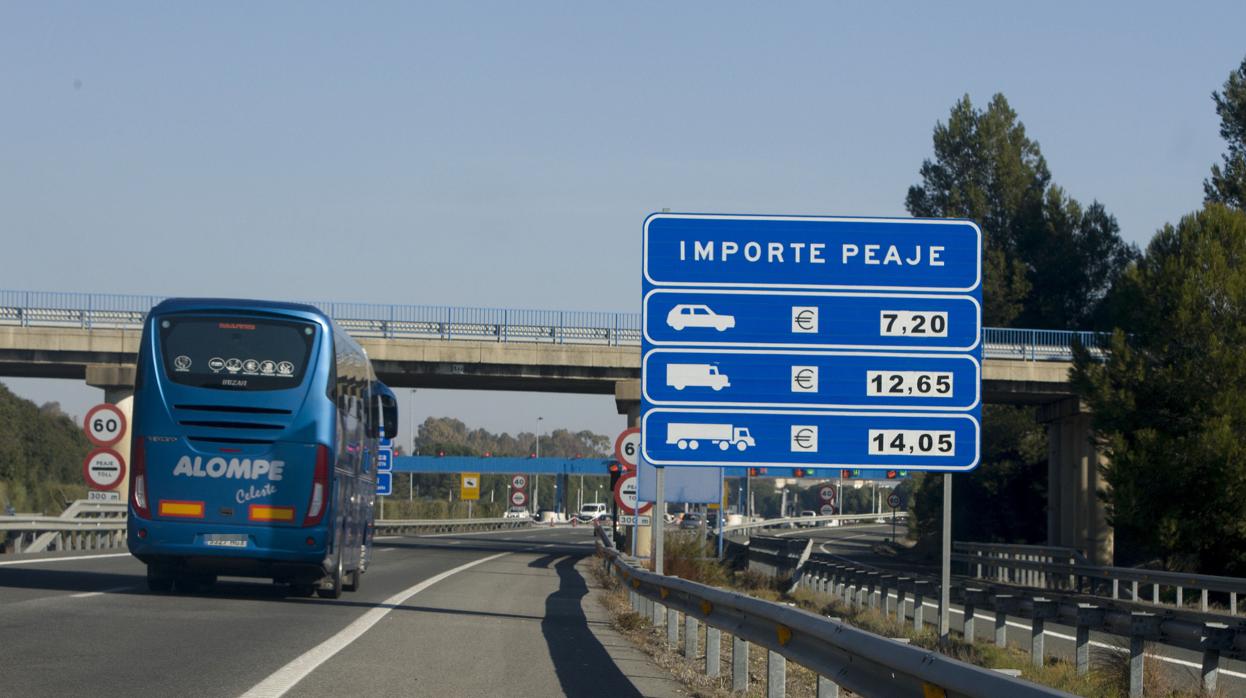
(1155, 593)
(672, 628)
(1044, 610)
(1003, 604)
(873, 580)
(1116, 589)
(919, 605)
(739, 663)
(973, 597)
(1180, 596)
(776, 675)
(1202, 602)
(1233, 603)
(1217, 637)
(827, 688)
(1143, 626)
(885, 583)
(713, 651)
(902, 585)
(690, 636)
(1087, 615)
(658, 617)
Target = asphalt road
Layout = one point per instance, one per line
(856, 543)
(507, 612)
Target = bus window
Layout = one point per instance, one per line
(235, 353)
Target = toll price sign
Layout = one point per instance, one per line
(104, 469)
(786, 342)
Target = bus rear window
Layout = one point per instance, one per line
(235, 353)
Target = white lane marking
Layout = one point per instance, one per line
(37, 560)
(285, 678)
(87, 594)
(454, 542)
(1061, 636)
(385, 537)
(384, 550)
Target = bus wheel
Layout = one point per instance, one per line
(334, 590)
(353, 584)
(193, 583)
(158, 580)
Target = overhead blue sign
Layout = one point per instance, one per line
(804, 342)
(384, 483)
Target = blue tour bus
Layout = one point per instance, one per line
(254, 447)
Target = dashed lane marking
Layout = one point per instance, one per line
(87, 594)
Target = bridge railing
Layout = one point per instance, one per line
(119, 311)
(840, 654)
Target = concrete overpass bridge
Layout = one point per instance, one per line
(94, 337)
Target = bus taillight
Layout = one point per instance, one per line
(320, 486)
(138, 470)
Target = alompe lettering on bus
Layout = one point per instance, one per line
(233, 468)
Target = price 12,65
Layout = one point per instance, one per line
(908, 384)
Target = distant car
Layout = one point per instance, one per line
(807, 524)
(691, 521)
(688, 315)
(515, 514)
(591, 512)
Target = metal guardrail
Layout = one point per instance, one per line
(425, 526)
(84, 525)
(841, 655)
(118, 311)
(1046, 567)
(865, 586)
(101, 526)
(743, 530)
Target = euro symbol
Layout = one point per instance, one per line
(804, 438)
(804, 379)
(804, 320)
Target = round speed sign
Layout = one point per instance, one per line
(827, 493)
(627, 447)
(519, 498)
(893, 500)
(519, 482)
(103, 469)
(104, 425)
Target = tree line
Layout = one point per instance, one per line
(1166, 399)
(41, 454)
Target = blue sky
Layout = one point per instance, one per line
(505, 154)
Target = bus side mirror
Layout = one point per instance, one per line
(389, 415)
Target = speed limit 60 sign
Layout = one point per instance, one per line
(104, 425)
(627, 446)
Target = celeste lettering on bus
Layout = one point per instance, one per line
(231, 469)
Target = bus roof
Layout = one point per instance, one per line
(177, 305)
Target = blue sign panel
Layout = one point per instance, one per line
(945, 442)
(812, 321)
(801, 342)
(824, 253)
(384, 460)
(385, 483)
(734, 378)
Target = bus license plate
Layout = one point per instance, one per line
(225, 540)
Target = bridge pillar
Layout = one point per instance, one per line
(627, 400)
(116, 380)
(1075, 512)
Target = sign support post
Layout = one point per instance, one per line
(945, 580)
(659, 519)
